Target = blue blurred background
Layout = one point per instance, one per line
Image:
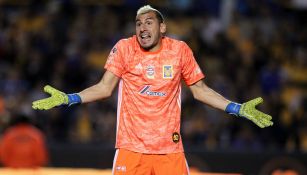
(246, 48)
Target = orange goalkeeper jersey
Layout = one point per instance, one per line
(149, 96)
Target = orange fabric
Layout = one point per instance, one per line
(132, 163)
(22, 146)
(149, 97)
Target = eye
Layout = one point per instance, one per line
(148, 23)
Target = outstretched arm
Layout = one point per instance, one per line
(247, 110)
(101, 90)
(208, 96)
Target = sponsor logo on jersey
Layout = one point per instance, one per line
(150, 72)
(167, 71)
(146, 91)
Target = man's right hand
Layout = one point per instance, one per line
(57, 98)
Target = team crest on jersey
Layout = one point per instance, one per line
(150, 72)
(167, 71)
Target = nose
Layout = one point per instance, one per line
(142, 27)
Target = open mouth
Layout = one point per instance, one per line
(145, 37)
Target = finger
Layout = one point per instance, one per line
(50, 89)
(41, 104)
(254, 120)
(265, 122)
(258, 123)
(263, 116)
(37, 105)
(268, 123)
(264, 119)
(256, 101)
(34, 106)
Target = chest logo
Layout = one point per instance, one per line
(146, 91)
(150, 72)
(167, 71)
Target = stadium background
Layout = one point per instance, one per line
(246, 48)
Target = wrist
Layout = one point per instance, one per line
(74, 99)
(233, 108)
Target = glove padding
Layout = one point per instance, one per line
(249, 111)
(57, 98)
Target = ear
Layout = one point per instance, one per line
(163, 27)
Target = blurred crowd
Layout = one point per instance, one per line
(245, 48)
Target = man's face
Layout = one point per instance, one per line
(149, 31)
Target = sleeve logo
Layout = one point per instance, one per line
(111, 55)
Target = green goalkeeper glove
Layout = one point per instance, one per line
(248, 110)
(57, 98)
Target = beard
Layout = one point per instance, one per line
(150, 45)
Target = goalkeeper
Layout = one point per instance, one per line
(149, 67)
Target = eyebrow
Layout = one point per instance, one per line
(148, 18)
